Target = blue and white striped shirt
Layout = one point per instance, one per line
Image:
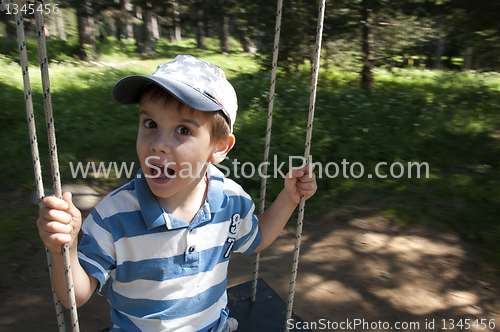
(167, 274)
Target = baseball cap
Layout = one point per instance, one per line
(196, 83)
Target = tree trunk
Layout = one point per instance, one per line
(113, 26)
(50, 25)
(468, 58)
(440, 45)
(119, 27)
(60, 25)
(127, 28)
(200, 29)
(247, 43)
(147, 30)
(154, 26)
(224, 34)
(85, 20)
(177, 22)
(149, 40)
(138, 30)
(366, 73)
(10, 28)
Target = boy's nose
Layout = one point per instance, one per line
(161, 143)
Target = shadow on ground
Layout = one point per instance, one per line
(363, 269)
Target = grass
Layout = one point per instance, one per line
(449, 120)
(16, 238)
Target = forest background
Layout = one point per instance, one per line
(401, 81)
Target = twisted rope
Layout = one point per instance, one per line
(54, 162)
(52, 145)
(34, 146)
(312, 102)
(268, 137)
(3, 4)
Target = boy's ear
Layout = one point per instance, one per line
(222, 149)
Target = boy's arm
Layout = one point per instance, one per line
(59, 222)
(298, 181)
(83, 283)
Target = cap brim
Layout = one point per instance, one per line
(129, 89)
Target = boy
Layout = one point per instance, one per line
(164, 239)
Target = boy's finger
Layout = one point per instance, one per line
(54, 227)
(59, 216)
(295, 173)
(46, 214)
(308, 177)
(303, 173)
(308, 168)
(52, 202)
(56, 238)
(306, 185)
(307, 193)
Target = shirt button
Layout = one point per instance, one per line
(191, 249)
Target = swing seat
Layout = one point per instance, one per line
(267, 313)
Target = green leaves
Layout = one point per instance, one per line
(449, 120)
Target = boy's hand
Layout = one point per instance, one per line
(59, 222)
(300, 181)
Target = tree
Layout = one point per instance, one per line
(176, 21)
(86, 12)
(60, 26)
(473, 29)
(199, 9)
(366, 72)
(221, 12)
(298, 31)
(244, 31)
(383, 29)
(85, 26)
(123, 19)
(148, 44)
(10, 27)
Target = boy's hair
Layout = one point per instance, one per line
(219, 123)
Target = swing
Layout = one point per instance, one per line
(42, 51)
(267, 312)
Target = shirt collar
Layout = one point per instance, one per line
(154, 215)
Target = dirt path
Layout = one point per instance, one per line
(358, 271)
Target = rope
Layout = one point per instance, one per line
(54, 163)
(4, 4)
(52, 145)
(268, 137)
(312, 102)
(34, 144)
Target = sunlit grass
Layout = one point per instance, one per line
(449, 120)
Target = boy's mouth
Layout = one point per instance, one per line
(161, 172)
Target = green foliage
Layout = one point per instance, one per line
(109, 45)
(449, 120)
(57, 50)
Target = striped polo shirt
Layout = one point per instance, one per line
(166, 274)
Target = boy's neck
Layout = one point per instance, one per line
(186, 204)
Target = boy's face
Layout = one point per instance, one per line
(173, 146)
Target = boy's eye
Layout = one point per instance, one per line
(183, 130)
(150, 124)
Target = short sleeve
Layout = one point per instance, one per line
(96, 249)
(247, 236)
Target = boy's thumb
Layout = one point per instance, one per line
(295, 173)
(68, 198)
